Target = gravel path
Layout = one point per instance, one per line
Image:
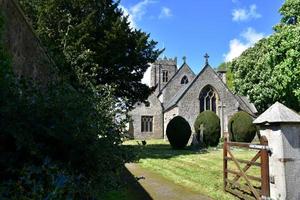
(158, 188)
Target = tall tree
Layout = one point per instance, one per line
(94, 40)
(270, 71)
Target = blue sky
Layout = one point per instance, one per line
(222, 28)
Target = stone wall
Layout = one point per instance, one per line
(175, 84)
(189, 106)
(157, 71)
(155, 110)
(29, 59)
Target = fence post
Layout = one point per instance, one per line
(225, 174)
(265, 180)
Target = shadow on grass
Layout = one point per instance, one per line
(162, 151)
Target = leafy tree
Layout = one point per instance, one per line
(93, 39)
(291, 8)
(270, 71)
(59, 142)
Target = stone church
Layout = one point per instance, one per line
(180, 92)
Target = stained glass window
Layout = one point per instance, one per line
(208, 99)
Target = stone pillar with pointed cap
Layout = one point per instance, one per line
(281, 126)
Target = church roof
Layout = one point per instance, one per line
(180, 93)
(182, 66)
(278, 113)
(243, 101)
(245, 104)
(175, 98)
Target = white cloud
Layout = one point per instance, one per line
(139, 10)
(147, 77)
(130, 17)
(235, 1)
(165, 13)
(245, 14)
(252, 36)
(136, 12)
(237, 47)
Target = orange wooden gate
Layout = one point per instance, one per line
(240, 183)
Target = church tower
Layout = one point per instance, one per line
(162, 71)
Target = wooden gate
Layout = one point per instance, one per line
(237, 181)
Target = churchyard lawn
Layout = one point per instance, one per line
(197, 171)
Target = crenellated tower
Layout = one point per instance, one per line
(162, 71)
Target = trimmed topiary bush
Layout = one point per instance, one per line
(212, 128)
(178, 132)
(241, 127)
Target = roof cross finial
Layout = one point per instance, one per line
(184, 59)
(206, 56)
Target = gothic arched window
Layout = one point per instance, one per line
(208, 99)
(184, 80)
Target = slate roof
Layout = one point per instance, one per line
(278, 113)
(243, 101)
(183, 65)
(175, 98)
(174, 101)
(246, 104)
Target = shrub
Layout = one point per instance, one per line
(75, 129)
(45, 181)
(241, 127)
(178, 132)
(211, 123)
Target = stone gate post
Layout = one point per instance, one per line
(281, 126)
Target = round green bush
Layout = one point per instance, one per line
(211, 123)
(178, 132)
(241, 127)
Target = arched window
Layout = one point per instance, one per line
(208, 99)
(184, 80)
(165, 76)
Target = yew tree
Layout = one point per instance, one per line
(270, 70)
(93, 44)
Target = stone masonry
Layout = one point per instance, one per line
(181, 96)
(29, 58)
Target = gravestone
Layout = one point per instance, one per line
(197, 138)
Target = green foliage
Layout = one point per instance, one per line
(291, 8)
(46, 181)
(178, 132)
(5, 62)
(212, 129)
(75, 129)
(94, 41)
(241, 127)
(270, 71)
(72, 128)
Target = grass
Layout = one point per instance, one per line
(120, 194)
(200, 171)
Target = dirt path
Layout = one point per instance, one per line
(159, 188)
